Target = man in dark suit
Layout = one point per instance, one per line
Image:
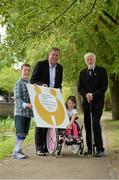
(92, 85)
(49, 73)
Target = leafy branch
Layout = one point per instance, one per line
(54, 20)
(49, 24)
(93, 6)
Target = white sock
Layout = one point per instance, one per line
(18, 145)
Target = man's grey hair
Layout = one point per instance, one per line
(89, 54)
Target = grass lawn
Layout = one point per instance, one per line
(112, 132)
(7, 143)
(112, 136)
(6, 147)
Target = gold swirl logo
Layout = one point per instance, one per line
(58, 114)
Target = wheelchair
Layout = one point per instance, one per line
(56, 138)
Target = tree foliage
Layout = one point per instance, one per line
(75, 26)
(8, 77)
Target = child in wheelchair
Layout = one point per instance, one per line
(71, 136)
(72, 130)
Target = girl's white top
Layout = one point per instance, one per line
(71, 112)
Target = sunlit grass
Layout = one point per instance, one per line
(7, 143)
(7, 125)
(112, 131)
(6, 147)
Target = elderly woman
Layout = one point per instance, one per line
(92, 86)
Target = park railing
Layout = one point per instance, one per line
(6, 109)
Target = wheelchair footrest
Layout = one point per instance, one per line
(71, 142)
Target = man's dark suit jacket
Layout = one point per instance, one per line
(41, 73)
(96, 84)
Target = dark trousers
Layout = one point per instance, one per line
(96, 115)
(40, 139)
(22, 125)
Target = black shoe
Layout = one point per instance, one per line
(87, 153)
(39, 153)
(102, 150)
(99, 154)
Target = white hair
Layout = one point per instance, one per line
(89, 54)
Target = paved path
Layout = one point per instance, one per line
(69, 166)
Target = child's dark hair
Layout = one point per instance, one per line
(73, 99)
(25, 64)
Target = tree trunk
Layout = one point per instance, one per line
(114, 90)
(9, 97)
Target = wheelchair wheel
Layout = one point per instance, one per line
(58, 153)
(75, 148)
(80, 153)
(51, 140)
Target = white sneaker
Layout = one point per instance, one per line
(39, 153)
(69, 138)
(19, 155)
(23, 153)
(77, 139)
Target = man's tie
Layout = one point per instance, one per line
(90, 72)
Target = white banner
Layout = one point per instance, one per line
(48, 106)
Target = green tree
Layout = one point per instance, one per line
(74, 26)
(8, 77)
